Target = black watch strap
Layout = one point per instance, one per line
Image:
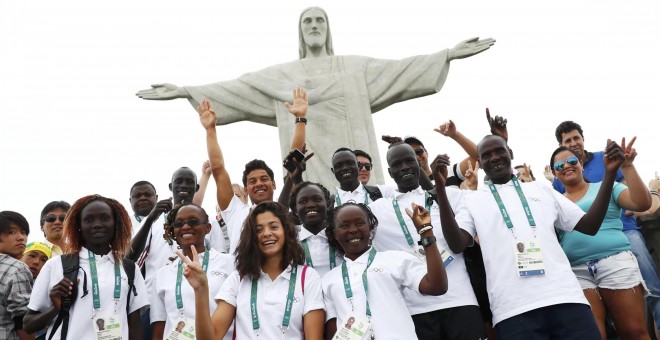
(301, 120)
(426, 241)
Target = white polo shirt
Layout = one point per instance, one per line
(137, 222)
(509, 294)
(271, 299)
(163, 307)
(389, 236)
(80, 315)
(360, 194)
(390, 272)
(319, 250)
(234, 216)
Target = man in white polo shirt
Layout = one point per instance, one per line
(456, 314)
(533, 294)
(345, 169)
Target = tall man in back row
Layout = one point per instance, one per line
(343, 92)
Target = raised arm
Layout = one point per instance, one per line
(590, 223)
(435, 280)
(298, 110)
(457, 238)
(637, 197)
(208, 119)
(164, 91)
(448, 129)
(139, 241)
(203, 183)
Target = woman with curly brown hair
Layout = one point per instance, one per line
(272, 295)
(97, 230)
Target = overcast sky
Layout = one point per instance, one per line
(72, 126)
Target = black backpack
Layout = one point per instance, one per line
(70, 266)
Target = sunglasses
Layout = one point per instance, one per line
(419, 151)
(559, 166)
(53, 218)
(367, 166)
(191, 223)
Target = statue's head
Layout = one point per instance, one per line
(314, 31)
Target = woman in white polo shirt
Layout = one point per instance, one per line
(271, 295)
(173, 303)
(363, 295)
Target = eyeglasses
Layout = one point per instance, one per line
(53, 218)
(559, 166)
(191, 223)
(367, 166)
(419, 151)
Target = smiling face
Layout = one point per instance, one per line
(311, 206)
(97, 224)
(403, 167)
(143, 199)
(363, 174)
(187, 235)
(260, 186)
(352, 231)
(184, 185)
(35, 260)
(566, 172)
(53, 225)
(495, 159)
(270, 234)
(314, 27)
(344, 166)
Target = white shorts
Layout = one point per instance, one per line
(618, 271)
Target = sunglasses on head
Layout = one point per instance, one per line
(53, 218)
(191, 223)
(419, 151)
(367, 166)
(559, 166)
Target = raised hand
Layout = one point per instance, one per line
(206, 167)
(614, 156)
(628, 151)
(547, 172)
(471, 176)
(469, 47)
(391, 139)
(497, 125)
(527, 176)
(419, 215)
(59, 290)
(206, 114)
(447, 129)
(162, 207)
(192, 270)
(164, 91)
(439, 168)
(300, 103)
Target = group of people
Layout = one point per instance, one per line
(438, 256)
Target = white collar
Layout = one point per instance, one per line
(304, 234)
(416, 191)
(84, 253)
(359, 189)
(363, 259)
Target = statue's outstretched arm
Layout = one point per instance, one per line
(469, 47)
(164, 91)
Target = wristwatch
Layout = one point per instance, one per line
(301, 120)
(426, 241)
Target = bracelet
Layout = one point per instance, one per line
(301, 120)
(653, 192)
(425, 227)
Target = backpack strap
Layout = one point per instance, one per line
(129, 268)
(374, 192)
(70, 266)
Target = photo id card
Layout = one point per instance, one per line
(184, 329)
(529, 259)
(107, 327)
(446, 256)
(353, 328)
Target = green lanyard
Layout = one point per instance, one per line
(347, 280)
(308, 255)
(95, 281)
(138, 218)
(179, 274)
(338, 201)
(503, 211)
(287, 307)
(402, 222)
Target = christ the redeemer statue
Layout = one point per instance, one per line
(343, 92)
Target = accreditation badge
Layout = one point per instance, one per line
(184, 329)
(107, 327)
(353, 328)
(446, 256)
(529, 259)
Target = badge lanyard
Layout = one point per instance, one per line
(95, 283)
(308, 255)
(347, 281)
(287, 307)
(503, 211)
(338, 201)
(402, 222)
(179, 274)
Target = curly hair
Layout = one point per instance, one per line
(293, 200)
(566, 127)
(257, 164)
(72, 234)
(372, 221)
(248, 255)
(168, 233)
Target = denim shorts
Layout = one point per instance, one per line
(618, 271)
